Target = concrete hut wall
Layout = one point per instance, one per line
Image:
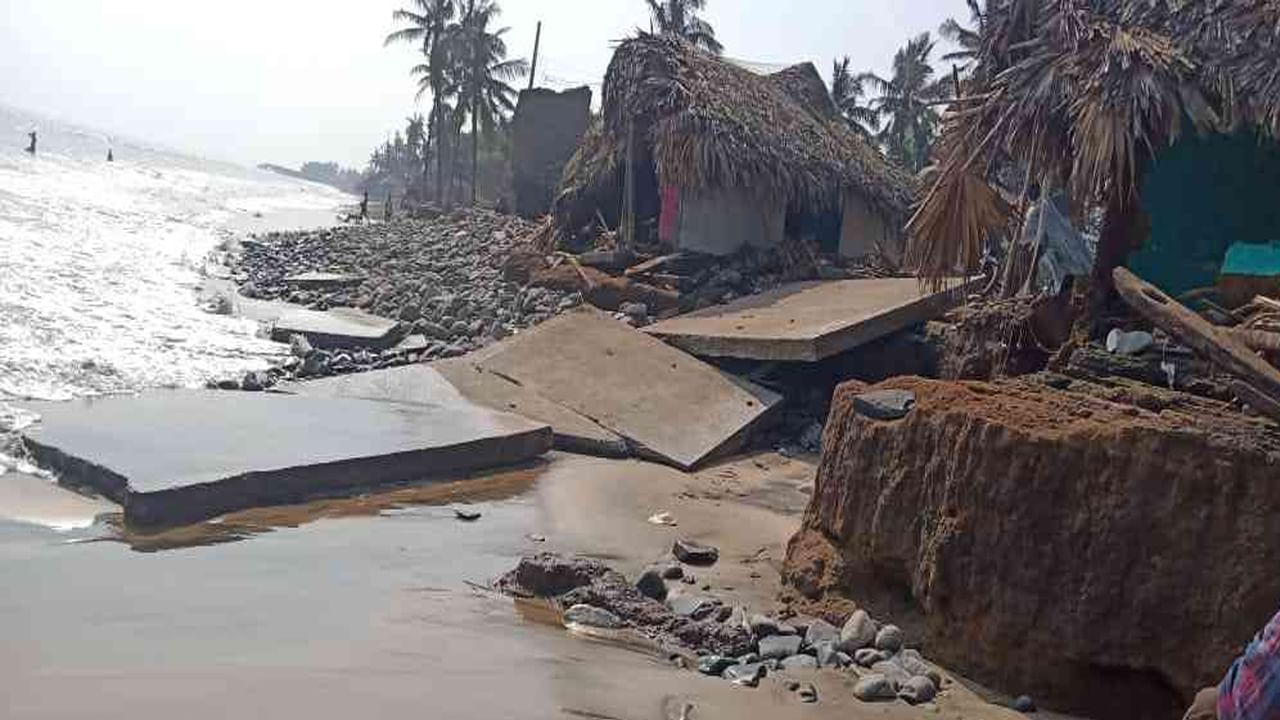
(546, 130)
(722, 222)
(864, 232)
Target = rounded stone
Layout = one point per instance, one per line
(875, 688)
(652, 586)
(889, 639)
(1024, 704)
(859, 631)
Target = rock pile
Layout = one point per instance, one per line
(727, 642)
(447, 279)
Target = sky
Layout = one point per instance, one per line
(287, 81)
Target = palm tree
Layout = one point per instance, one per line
(907, 101)
(428, 22)
(848, 92)
(680, 18)
(484, 92)
(969, 40)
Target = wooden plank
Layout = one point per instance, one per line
(1195, 332)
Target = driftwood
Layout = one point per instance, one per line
(1263, 404)
(1195, 332)
(1260, 340)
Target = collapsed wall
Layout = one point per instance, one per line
(546, 130)
(1109, 551)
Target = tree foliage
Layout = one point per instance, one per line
(680, 18)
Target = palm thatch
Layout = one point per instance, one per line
(707, 123)
(1086, 93)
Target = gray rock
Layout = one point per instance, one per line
(695, 607)
(590, 616)
(749, 659)
(256, 381)
(808, 694)
(799, 662)
(918, 690)
(827, 655)
(714, 664)
(745, 675)
(859, 631)
(866, 657)
(300, 346)
(672, 572)
(694, 553)
(875, 688)
(913, 663)
(410, 312)
(652, 585)
(820, 631)
(635, 311)
(885, 404)
(1024, 704)
(433, 330)
(893, 671)
(889, 639)
(763, 626)
(777, 647)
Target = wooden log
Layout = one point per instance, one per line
(1195, 332)
(1260, 340)
(1260, 402)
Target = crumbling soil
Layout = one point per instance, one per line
(1105, 549)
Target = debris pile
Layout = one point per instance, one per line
(447, 279)
(701, 632)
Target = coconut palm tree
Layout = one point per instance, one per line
(680, 17)
(849, 92)
(484, 72)
(428, 22)
(907, 101)
(968, 39)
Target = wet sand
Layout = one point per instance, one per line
(372, 605)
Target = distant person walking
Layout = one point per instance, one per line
(387, 208)
(110, 157)
(32, 147)
(364, 206)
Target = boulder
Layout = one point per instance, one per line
(593, 617)
(652, 585)
(777, 647)
(1107, 549)
(859, 631)
(799, 662)
(918, 690)
(820, 631)
(694, 553)
(875, 688)
(889, 639)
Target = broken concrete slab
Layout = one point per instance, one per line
(324, 280)
(809, 321)
(669, 406)
(335, 329)
(451, 382)
(175, 457)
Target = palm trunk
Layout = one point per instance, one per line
(475, 153)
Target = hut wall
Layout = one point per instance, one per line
(864, 232)
(722, 222)
(547, 128)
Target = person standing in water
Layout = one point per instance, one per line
(110, 157)
(32, 147)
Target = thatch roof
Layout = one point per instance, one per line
(713, 124)
(1087, 93)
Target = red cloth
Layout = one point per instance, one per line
(669, 219)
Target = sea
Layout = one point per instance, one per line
(100, 262)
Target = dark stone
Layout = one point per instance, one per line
(651, 585)
(693, 553)
(808, 694)
(918, 690)
(1024, 704)
(885, 404)
(466, 515)
(714, 664)
(672, 572)
(778, 647)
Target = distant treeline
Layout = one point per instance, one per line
(327, 173)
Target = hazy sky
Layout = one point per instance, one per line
(287, 81)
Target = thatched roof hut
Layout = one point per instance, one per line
(705, 124)
(1091, 96)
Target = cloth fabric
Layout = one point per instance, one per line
(669, 218)
(1064, 252)
(1251, 689)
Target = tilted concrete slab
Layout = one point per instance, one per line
(809, 321)
(670, 406)
(336, 328)
(174, 457)
(459, 381)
